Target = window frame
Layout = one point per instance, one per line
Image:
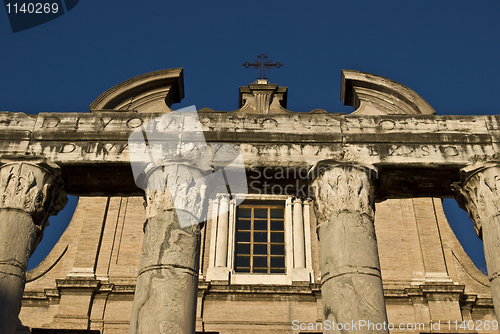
(252, 243)
(218, 244)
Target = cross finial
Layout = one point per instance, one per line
(262, 64)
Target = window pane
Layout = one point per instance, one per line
(260, 249)
(243, 249)
(244, 213)
(243, 261)
(278, 262)
(277, 249)
(277, 237)
(260, 261)
(260, 225)
(260, 213)
(260, 236)
(277, 225)
(243, 224)
(243, 236)
(277, 213)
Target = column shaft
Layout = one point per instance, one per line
(167, 284)
(18, 235)
(30, 193)
(351, 281)
(480, 196)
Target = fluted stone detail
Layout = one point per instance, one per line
(167, 284)
(479, 195)
(351, 283)
(31, 191)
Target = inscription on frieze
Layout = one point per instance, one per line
(79, 150)
(303, 123)
(78, 126)
(86, 123)
(414, 124)
(431, 153)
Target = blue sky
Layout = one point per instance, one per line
(447, 51)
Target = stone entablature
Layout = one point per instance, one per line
(83, 143)
(421, 139)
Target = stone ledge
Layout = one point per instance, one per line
(80, 284)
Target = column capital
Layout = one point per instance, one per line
(176, 186)
(479, 192)
(340, 187)
(223, 198)
(32, 185)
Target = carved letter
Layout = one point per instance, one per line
(134, 123)
(104, 124)
(68, 148)
(50, 122)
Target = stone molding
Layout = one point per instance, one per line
(340, 187)
(263, 98)
(154, 91)
(32, 186)
(371, 94)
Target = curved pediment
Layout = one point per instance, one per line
(371, 94)
(151, 92)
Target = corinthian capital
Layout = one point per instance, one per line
(176, 186)
(342, 187)
(479, 194)
(32, 186)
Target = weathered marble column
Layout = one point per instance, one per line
(167, 284)
(30, 193)
(480, 197)
(351, 284)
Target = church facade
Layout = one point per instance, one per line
(338, 226)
